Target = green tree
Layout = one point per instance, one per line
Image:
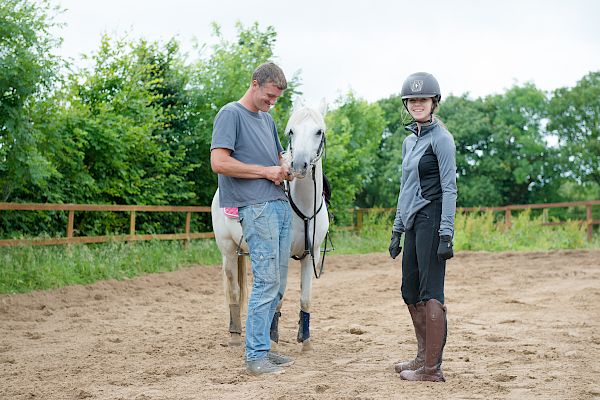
(354, 133)
(471, 128)
(111, 135)
(383, 185)
(522, 164)
(27, 72)
(574, 117)
(502, 154)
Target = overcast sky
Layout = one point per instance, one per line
(476, 47)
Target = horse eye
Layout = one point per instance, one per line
(290, 132)
(319, 132)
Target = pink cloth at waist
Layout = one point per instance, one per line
(231, 212)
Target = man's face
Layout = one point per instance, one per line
(265, 96)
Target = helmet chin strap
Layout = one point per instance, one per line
(405, 102)
(433, 107)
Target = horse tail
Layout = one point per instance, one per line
(242, 281)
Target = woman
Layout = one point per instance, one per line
(425, 214)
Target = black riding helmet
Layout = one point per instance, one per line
(421, 85)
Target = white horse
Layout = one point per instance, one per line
(306, 133)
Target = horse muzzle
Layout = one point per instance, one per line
(299, 172)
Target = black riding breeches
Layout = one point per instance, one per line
(422, 273)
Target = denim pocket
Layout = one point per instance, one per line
(258, 209)
(264, 269)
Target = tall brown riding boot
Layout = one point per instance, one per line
(417, 313)
(435, 339)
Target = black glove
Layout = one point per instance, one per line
(395, 247)
(444, 251)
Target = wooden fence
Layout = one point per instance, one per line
(132, 236)
(188, 235)
(507, 210)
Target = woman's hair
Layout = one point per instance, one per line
(441, 123)
(435, 105)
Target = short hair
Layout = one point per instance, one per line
(270, 73)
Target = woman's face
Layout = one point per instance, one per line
(420, 108)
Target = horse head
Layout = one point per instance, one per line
(306, 137)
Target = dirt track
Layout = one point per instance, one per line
(521, 326)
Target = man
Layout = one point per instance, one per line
(246, 153)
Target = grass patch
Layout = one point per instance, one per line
(374, 236)
(27, 268)
(475, 232)
(527, 233)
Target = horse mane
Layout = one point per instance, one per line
(305, 113)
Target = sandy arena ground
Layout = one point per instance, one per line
(521, 326)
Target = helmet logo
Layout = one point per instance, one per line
(416, 85)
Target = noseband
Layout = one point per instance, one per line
(320, 150)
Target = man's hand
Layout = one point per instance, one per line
(445, 251)
(395, 247)
(276, 174)
(288, 171)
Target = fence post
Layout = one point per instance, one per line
(507, 222)
(359, 219)
(132, 224)
(188, 219)
(590, 226)
(70, 224)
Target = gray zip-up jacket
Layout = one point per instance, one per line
(428, 174)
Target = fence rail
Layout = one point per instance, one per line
(132, 236)
(188, 235)
(589, 221)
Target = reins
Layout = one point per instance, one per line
(309, 244)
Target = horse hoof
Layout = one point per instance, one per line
(274, 345)
(235, 340)
(307, 345)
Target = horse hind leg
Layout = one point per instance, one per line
(235, 326)
(235, 288)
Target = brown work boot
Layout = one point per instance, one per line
(417, 313)
(435, 339)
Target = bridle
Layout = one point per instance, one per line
(308, 244)
(320, 150)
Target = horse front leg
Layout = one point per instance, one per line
(305, 296)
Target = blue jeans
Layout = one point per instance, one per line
(267, 229)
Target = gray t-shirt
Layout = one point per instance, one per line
(252, 139)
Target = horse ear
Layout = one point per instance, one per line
(298, 104)
(323, 107)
